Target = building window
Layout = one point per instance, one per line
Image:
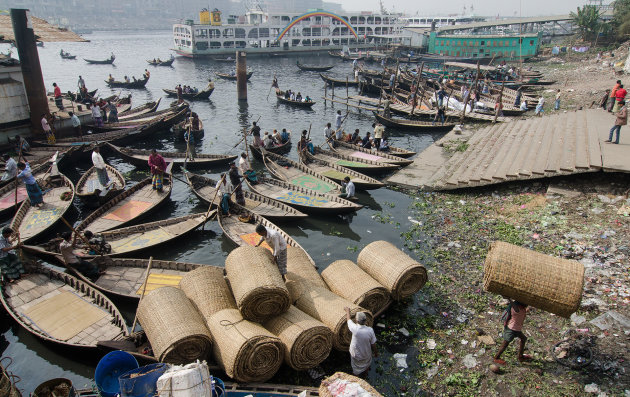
(500, 44)
(531, 42)
(483, 42)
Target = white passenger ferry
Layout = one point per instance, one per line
(259, 32)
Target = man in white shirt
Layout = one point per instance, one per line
(96, 115)
(278, 244)
(328, 132)
(243, 164)
(10, 167)
(50, 136)
(225, 190)
(378, 134)
(363, 343)
(338, 120)
(350, 189)
(76, 123)
(101, 169)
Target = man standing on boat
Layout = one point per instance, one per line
(328, 132)
(76, 124)
(277, 244)
(58, 97)
(101, 168)
(255, 132)
(246, 169)
(235, 180)
(96, 115)
(81, 84)
(158, 166)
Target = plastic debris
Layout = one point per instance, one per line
(401, 360)
(470, 361)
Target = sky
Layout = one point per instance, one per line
(505, 8)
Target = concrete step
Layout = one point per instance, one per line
(566, 162)
(540, 165)
(492, 171)
(489, 162)
(460, 159)
(581, 142)
(535, 149)
(528, 140)
(507, 155)
(596, 120)
(557, 146)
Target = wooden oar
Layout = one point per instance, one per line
(144, 289)
(17, 182)
(81, 236)
(245, 134)
(269, 93)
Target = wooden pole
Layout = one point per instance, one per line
(380, 97)
(347, 94)
(212, 202)
(415, 94)
(325, 93)
(17, 182)
(396, 78)
(144, 289)
(82, 237)
(474, 84)
(496, 112)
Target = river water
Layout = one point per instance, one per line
(326, 238)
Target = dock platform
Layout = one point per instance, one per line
(559, 144)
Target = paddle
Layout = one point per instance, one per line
(244, 135)
(216, 191)
(144, 289)
(187, 145)
(17, 182)
(81, 236)
(274, 78)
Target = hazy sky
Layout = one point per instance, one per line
(481, 7)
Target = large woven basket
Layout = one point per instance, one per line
(346, 279)
(546, 282)
(174, 327)
(299, 267)
(308, 342)
(327, 307)
(207, 289)
(246, 351)
(256, 283)
(395, 270)
(324, 392)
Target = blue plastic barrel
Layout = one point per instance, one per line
(218, 388)
(141, 382)
(110, 368)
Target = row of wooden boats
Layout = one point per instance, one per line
(300, 104)
(128, 84)
(191, 96)
(229, 76)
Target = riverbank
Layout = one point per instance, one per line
(453, 327)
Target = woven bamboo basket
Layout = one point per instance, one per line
(176, 330)
(327, 307)
(347, 280)
(256, 283)
(548, 283)
(246, 351)
(299, 267)
(207, 289)
(395, 270)
(323, 388)
(308, 342)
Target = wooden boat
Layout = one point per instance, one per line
(313, 68)
(30, 221)
(415, 125)
(201, 95)
(142, 126)
(331, 81)
(279, 149)
(130, 119)
(8, 197)
(91, 94)
(337, 173)
(299, 104)
(90, 189)
(149, 107)
(68, 56)
(62, 309)
(305, 200)
(162, 63)
(393, 150)
(298, 174)
(130, 239)
(227, 76)
(244, 233)
(362, 165)
(128, 207)
(141, 157)
(370, 154)
(132, 84)
(204, 188)
(224, 60)
(108, 61)
(179, 130)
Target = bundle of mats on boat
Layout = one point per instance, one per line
(346, 279)
(299, 267)
(543, 281)
(308, 341)
(327, 307)
(400, 274)
(177, 332)
(246, 351)
(208, 290)
(256, 283)
(341, 382)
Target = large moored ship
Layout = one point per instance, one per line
(259, 32)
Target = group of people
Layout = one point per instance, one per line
(292, 96)
(616, 103)
(231, 182)
(269, 140)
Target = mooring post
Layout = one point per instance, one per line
(29, 63)
(325, 92)
(241, 75)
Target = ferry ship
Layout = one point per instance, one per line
(259, 32)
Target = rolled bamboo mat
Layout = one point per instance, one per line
(207, 289)
(177, 332)
(299, 267)
(308, 342)
(327, 307)
(256, 283)
(346, 279)
(325, 392)
(543, 281)
(246, 351)
(395, 270)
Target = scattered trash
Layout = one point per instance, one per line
(414, 221)
(404, 331)
(401, 360)
(611, 319)
(470, 361)
(380, 325)
(431, 344)
(486, 340)
(592, 388)
(577, 320)
(432, 371)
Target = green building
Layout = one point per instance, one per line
(501, 47)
